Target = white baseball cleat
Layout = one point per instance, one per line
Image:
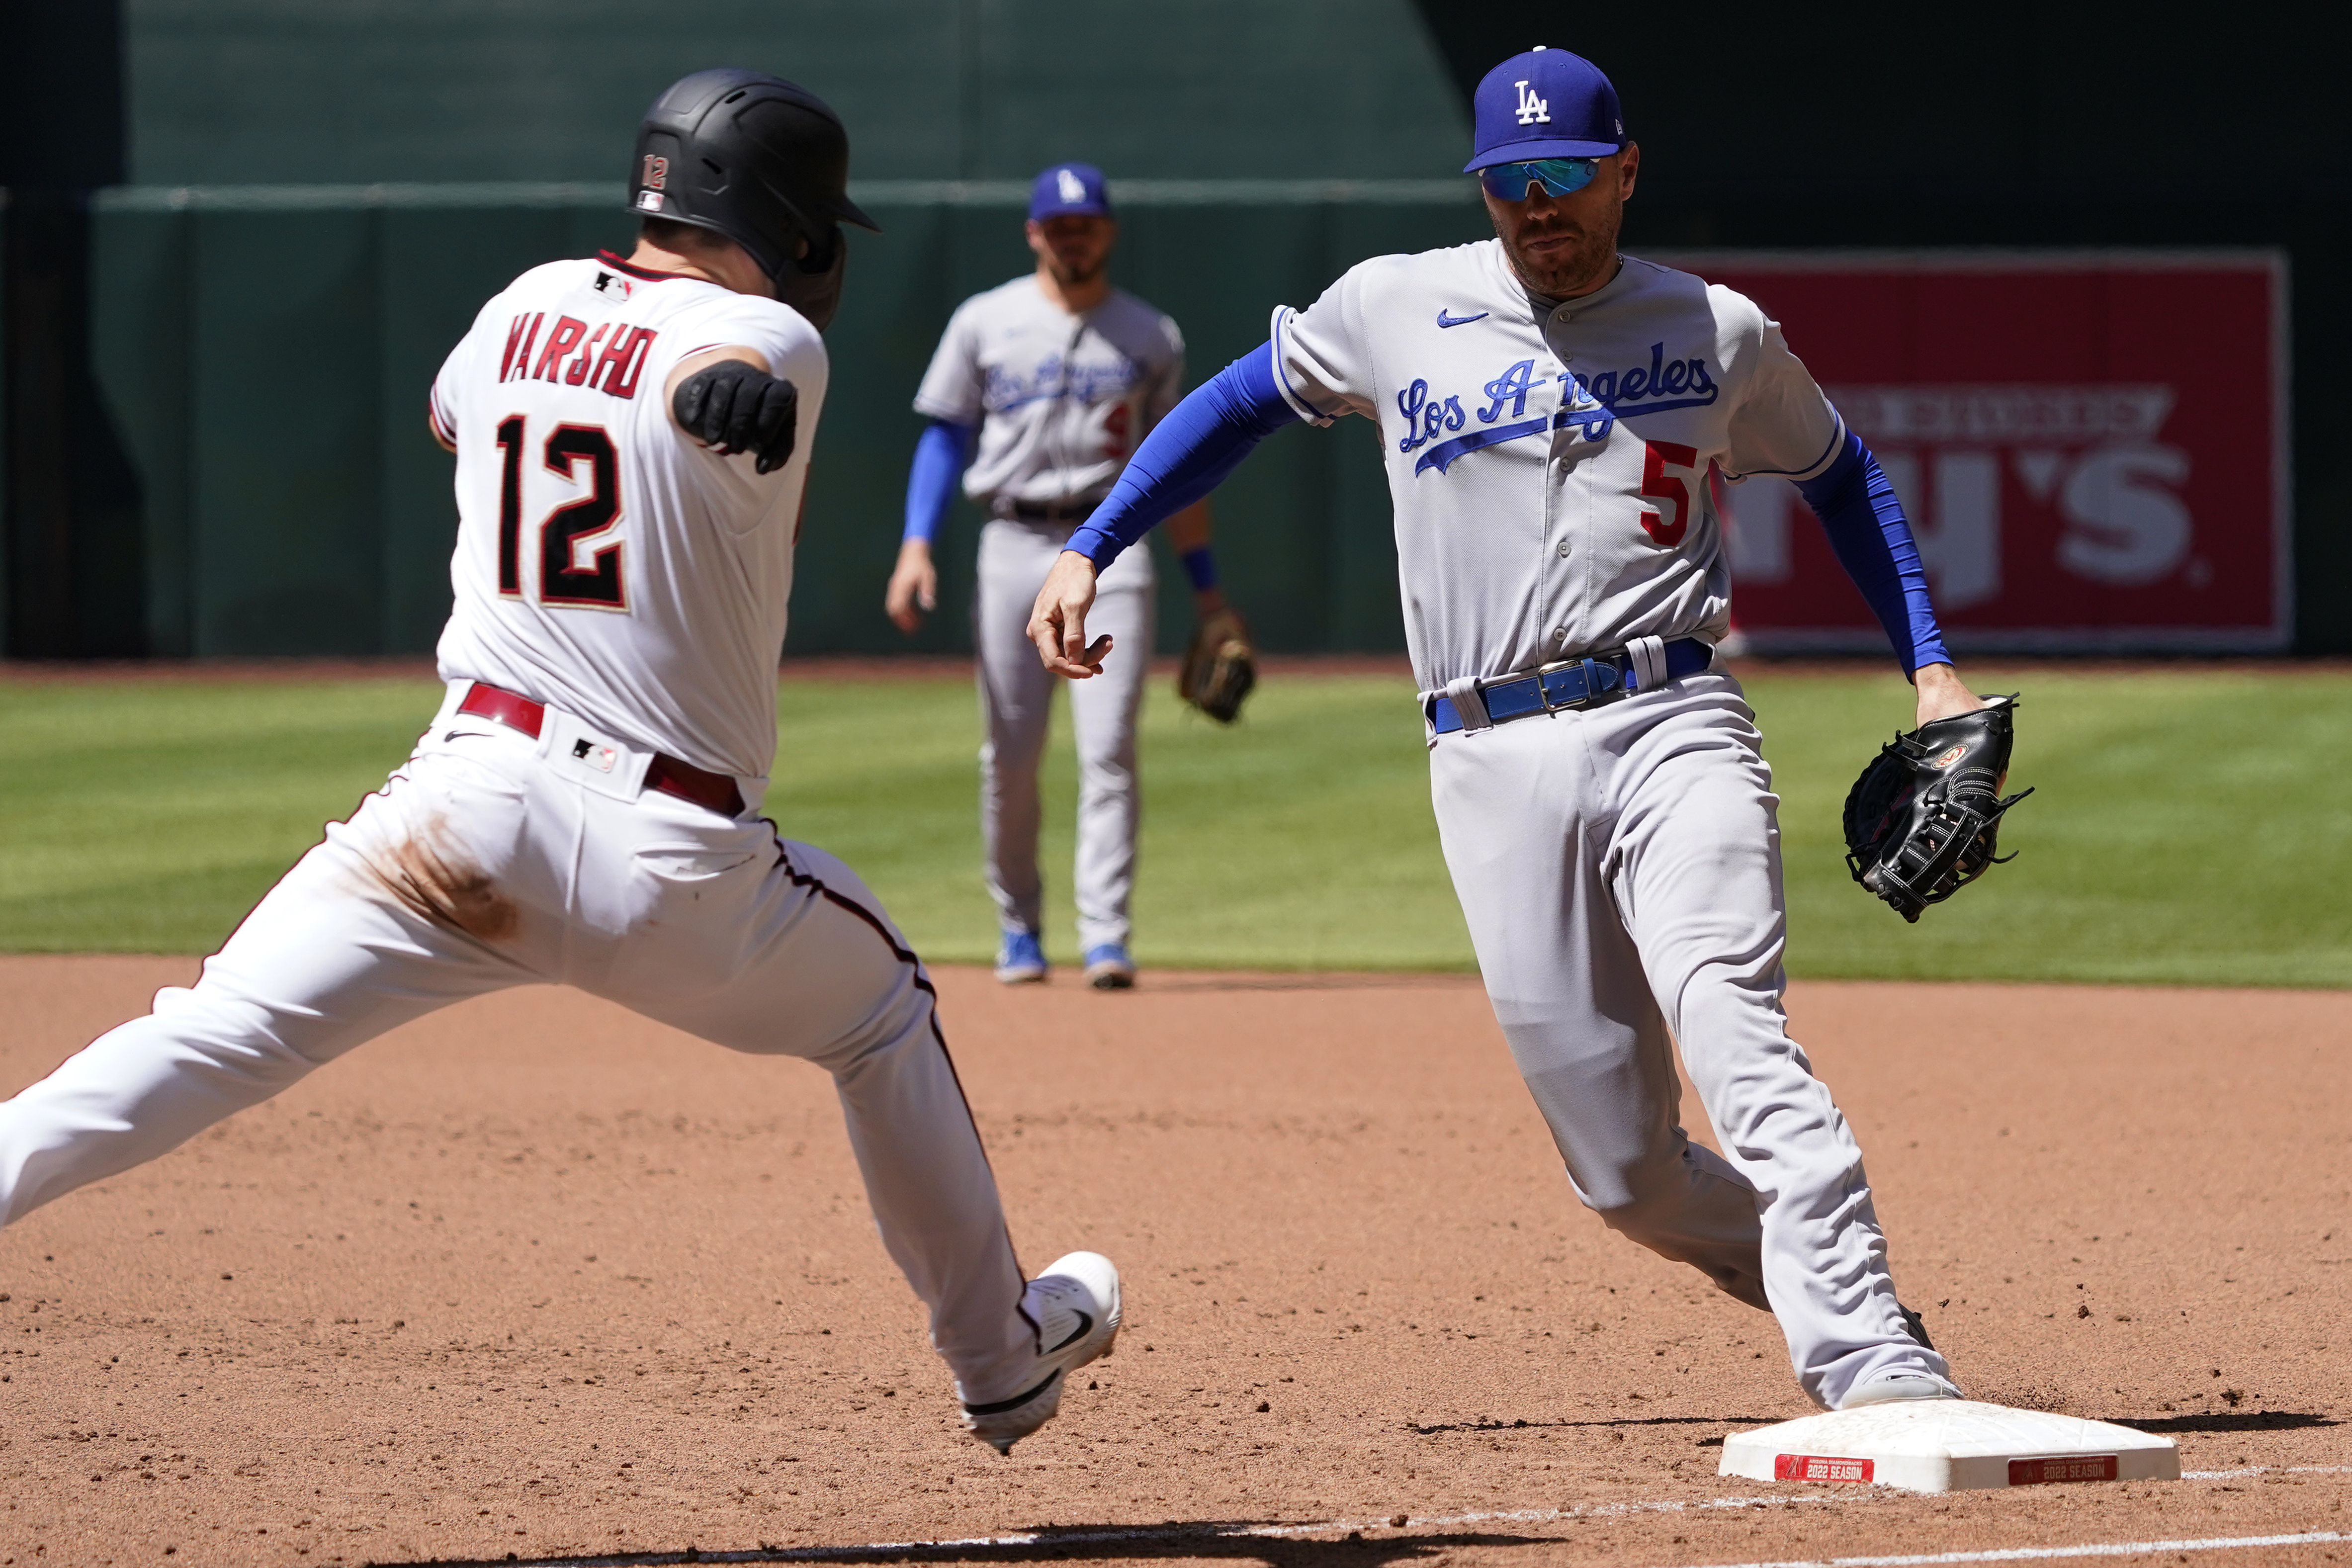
(1892, 1385)
(1074, 1307)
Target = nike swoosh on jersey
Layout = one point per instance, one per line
(1446, 320)
(1085, 1326)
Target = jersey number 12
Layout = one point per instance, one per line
(563, 579)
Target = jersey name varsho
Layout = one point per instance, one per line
(614, 371)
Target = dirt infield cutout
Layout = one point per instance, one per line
(537, 1277)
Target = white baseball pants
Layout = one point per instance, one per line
(1620, 869)
(492, 860)
(1016, 697)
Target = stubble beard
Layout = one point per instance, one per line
(1587, 264)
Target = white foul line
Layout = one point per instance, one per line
(1179, 1532)
(2046, 1553)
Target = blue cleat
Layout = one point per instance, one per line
(1020, 960)
(1109, 968)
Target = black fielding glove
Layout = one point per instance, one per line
(1922, 820)
(736, 407)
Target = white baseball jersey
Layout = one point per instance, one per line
(607, 563)
(1062, 401)
(1549, 459)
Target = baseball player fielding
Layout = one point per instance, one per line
(1550, 412)
(1037, 394)
(632, 438)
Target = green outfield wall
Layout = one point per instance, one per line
(261, 223)
(265, 352)
(320, 193)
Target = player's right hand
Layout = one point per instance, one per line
(739, 407)
(914, 587)
(1058, 623)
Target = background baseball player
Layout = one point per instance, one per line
(1548, 413)
(633, 440)
(1043, 385)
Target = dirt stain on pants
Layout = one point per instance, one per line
(426, 877)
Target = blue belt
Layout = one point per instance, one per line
(1575, 683)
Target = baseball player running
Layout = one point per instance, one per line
(632, 440)
(1550, 412)
(1038, 392)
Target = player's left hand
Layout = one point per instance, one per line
(738, 407)
(1057, 625)
(1941, 693)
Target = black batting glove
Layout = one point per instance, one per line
(734, 407)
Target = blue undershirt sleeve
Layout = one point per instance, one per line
(1187, 454)
(941, 453)
(1864, 517)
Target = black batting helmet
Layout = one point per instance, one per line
(755, 158)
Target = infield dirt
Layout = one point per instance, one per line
(537, 1278)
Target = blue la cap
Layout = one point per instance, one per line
(1546, 103)
(1068, 190)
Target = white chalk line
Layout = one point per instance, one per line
(2047, 1554)
(1177, 1533)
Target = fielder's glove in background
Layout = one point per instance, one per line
(737, 407)
(1921, 820)
(1219, 666)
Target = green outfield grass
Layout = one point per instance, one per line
(2189, 829)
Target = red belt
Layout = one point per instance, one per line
(715, 791)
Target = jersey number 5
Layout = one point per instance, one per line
(1661, 486)
(562, 578)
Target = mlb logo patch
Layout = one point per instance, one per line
(600, 758)
(649, 201)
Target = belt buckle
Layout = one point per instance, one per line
(1593, 688)
(1543, 693)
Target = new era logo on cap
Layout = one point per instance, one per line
(1545, 103)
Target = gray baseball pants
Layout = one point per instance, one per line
(1016, 695)
(1620, 869)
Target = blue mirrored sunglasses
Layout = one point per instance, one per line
(1558, 176)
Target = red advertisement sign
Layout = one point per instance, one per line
(2091, 447)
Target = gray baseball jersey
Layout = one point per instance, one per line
(1061, 400)
(1549, 459)
(1618, 867)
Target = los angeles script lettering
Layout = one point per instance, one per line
(1594, 402)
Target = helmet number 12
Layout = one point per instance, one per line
(577, 529)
